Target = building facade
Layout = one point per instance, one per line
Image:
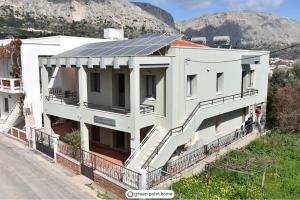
(139, 102)
(26, 84)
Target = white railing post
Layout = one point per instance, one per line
(12, 84)
(33, 137)
(55, 138)
(143, 179)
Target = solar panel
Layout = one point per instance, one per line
(144, 45)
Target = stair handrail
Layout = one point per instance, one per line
(12, 110)
(249, 92)
(150, 133)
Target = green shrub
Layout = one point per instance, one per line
(74, 140)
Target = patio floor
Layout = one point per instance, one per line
(107, 153)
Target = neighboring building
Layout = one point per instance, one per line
(27, 82)
(119, 93)
(281, 64)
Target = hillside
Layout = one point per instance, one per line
(76, 17)
(247, 29)
(156, 12)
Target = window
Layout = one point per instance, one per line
(220, 79)
(150, 86)
(96, 133)
(191, 85)
(95, 82)
(6, 107)
(218, 123)
(251, 78)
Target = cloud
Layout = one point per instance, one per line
(253, 4)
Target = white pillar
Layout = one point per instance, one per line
(84, 135)
(143, 179)
(45, 81)
(55, 138)
(82, 83)
(47, 124)
(134, 103)
(33, 137)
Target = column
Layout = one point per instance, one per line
(84, 135)
(45, 81)
(33, 137)
(82, 84)
(47, 124)
(55, 145)
(134, 103)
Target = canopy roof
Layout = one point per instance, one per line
(142, 46)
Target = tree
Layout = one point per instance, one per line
(286, 107)
(73, 139)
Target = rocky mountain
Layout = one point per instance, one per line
(79, 17)
(156, 12)
(248, 30)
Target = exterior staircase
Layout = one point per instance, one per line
(160, 145)
(11, 119)
(146, 147)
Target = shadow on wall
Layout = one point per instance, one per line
(228, 28)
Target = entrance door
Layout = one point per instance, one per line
(121, 92)
(120, 140)
(244, 83)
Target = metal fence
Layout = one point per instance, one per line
(172, 168)
(110, 169)
(44, 143)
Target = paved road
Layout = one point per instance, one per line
(25, 175)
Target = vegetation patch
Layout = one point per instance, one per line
(282, 178)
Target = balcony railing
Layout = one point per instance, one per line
(10, 84)
(70, 100)
(144, 109)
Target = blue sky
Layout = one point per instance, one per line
(185, 9)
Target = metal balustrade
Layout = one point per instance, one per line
(180, 129)
(194, 156)
(117, 172)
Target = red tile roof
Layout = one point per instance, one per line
(185, 43)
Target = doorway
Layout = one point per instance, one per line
(244, 83)
(120, 140)
(121, 90)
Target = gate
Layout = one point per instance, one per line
(87, 164)
(44, 143)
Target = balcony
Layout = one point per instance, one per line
(11, 85)
(67, 106)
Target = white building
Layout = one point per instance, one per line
(28, 82)
(149, 96)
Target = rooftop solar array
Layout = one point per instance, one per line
(142, 46)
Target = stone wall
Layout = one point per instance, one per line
(68, 162)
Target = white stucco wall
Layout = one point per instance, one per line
(206, 77)
(30, 50)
